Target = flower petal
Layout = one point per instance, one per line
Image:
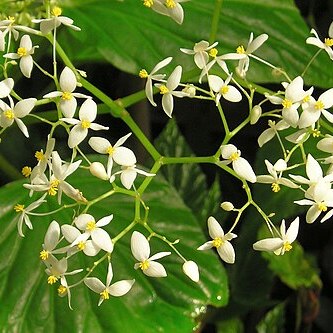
(140, 246)
(120, 288)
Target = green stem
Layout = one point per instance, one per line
(215, 21)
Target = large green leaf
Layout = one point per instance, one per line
(171, 304)
(131, 36)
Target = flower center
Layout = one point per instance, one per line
(322, 206)
(306, 98)
(66, 96)
(53, 189)
(105, 294)
(56, 11)
(315, 133)
(44, 255)
(240, 49)
(91, 226)
(217, 242)
(144, 265)
(62, 290)
(275, 187)
(287, 246)
(170, 3)
(234, 156)
(81, 245)
(85, 124)
(143, 74)
(52, 279)
(213, 52)
(39, 155)
(148, 3)
(287, 103)
(19, 208)
(319, 105)
(328, 41)
(9, 114)
(163, 89)
(26, 171)
(22, 51)
(224, 90)
(110, 150)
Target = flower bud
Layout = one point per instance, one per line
(190, 90)
(97, 169)
(255, 114)
(227, 206)
(190, 268)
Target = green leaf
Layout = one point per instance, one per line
(171, 304)
(233, 325)
(131, 36)
(274, 320)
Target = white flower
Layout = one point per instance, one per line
(319, 197)
(168, 90)
(170, 8)
(312, 112)
(24, 53)
(68, 83)
(117, 153)
(24, 214)
(253, 45)
(15, 112)
(219, 240)
(87, 115)
(223, 89)
(153, 76)
(280, 245)
(6, 87)
(47, 25)
(240, 165)
(275, 176)
(326, 45)
(128, 175)
(51, 240)
(190, 268)
(200, 49)
(141, 252)
(116, 289)
(97, 169)
(273, 129)
(88, 247)
(91, 228)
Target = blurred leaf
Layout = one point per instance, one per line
(211, 201)
(131, 36)
(171, 304)
(274, 320)
(233, 325)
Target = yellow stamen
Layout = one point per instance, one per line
(85, 124)
(148, 3)
(287, 246)
(170, 3)
(22, 51)
(19, 208)
(322, 206)
(217, 242)
(9, 114)
(315, 133)
(110, 150)
(39, 155)
(81, 245)
(56, 11)
(143, 74)
(306, 98)
(234, 156)
(163, 89)
(62, 290)
(319, 105)
(275, 187)
(44, 255)
(105, 294)
(144, 265)
(53, 190)
(240, 49)
(11, 19)
(224, 90)
(26, 171)
(52, 279)
(213, 52)
(287, 103)
(91, 226)
(66, 96)
(329, 42)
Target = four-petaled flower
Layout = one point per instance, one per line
(141, 252)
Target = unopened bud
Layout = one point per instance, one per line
(255, 114)
(227, 206)
(97, 169)
(190, 90)
(190, 268)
